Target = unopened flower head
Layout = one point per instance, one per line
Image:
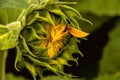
(49, 36)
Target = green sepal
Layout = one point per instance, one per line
(39, 28)
(57, 11)
(55, 63)
(39, 71)
(46, 17)
(31, 69)
(68, 8)
(18, 57)
(30, 34)
(72, 18)
(41, 63)
(23, 22)
(9, 35)
(65, 7)
(3, 29)
(70, 49)
(37, 50)
(62, 61)
(25, 46)
(31, 18)
(41, 5)
(37, 16)
(47, 66)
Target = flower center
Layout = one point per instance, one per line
(54, 39)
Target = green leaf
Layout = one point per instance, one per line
(32, 1)
(99, 7)
(12, 14)
(3, 16)
(11, 9)
(97, 21)
(13, 4)
(8, 15)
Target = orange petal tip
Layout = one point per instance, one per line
(77, 33)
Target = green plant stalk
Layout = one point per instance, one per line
(3, 56)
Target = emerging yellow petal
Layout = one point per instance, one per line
(44, 43)
(51, 52)
(77, 33)
(59, 32)
(54, 39)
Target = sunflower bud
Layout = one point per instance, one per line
(47, 37)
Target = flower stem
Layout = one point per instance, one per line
(3, 56)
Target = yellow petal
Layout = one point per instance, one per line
(59, 32)
(51, 52)
(61, 27)
(52, 34)
(56, 49)
(48, 30)
(77, 33)
(44, 43)
(59, 44)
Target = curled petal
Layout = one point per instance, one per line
(77, 33)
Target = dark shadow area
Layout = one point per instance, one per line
(11, 68)
(92, 50)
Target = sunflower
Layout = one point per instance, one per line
(49, 36)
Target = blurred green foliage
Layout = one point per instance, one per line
(97, 11)
(10, 76)
(111, 54)
(19, 4)
(115, 76)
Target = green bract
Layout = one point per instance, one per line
(9, 35)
